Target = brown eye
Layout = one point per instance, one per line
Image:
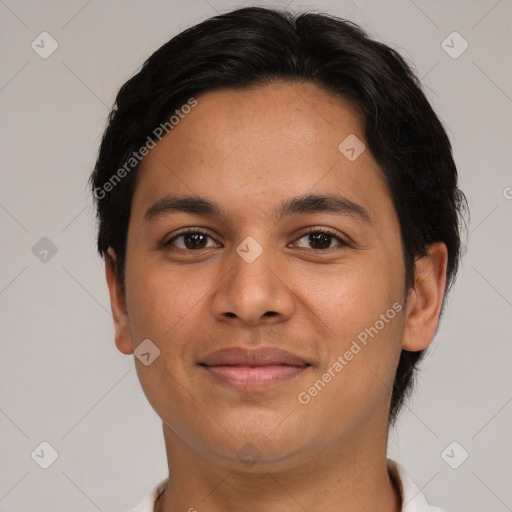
(321, 239)
(191, 240)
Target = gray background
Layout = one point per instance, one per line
(62, 379)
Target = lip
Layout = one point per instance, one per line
(251, 370)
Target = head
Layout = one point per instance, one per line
(247, 110)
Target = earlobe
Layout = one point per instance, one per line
(425, 299)
(123, 338)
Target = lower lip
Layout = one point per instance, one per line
(250, 378)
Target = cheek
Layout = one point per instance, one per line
(163, 304)
(352, 296)
(360, 314)
(161, 297)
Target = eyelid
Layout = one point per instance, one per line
(313, 229)
(184, 231)
(329, 231)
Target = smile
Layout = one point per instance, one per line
(251, 370)
(253, 378)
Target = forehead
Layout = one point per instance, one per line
(263, 142)
(288, 113)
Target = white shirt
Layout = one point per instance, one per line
(412, 498)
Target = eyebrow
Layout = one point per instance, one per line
(198, 205)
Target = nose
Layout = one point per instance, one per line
(254, 291)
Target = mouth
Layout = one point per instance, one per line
(252, 370)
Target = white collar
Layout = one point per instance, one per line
(412, 498)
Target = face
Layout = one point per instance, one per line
(292, 244)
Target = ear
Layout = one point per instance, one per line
(425, 299)
(123, 337)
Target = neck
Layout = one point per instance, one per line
(344, 480)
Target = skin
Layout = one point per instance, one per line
(248, 151)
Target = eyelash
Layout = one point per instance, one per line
(195, 231)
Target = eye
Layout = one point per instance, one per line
(321, 239)
(191, 239)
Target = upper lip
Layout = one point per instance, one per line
(266, 356)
